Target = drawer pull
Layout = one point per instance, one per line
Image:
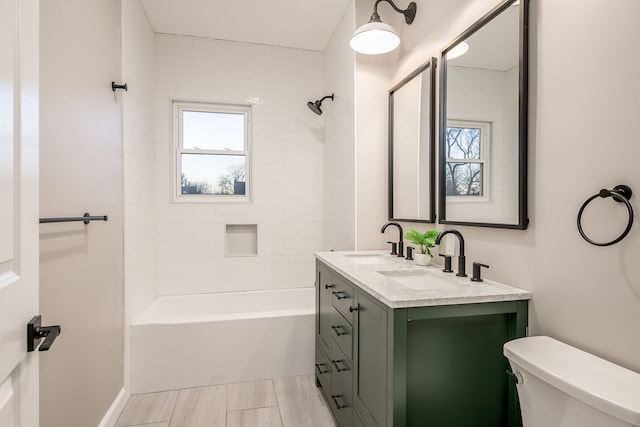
(338, 368)
(319, 367)
(335, 400)
(327, 286)
(352, 309)
(340, 294)
(338, 330)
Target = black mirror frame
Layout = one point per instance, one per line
(431, 65)
(523, 104)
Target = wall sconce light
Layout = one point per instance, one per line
(376, 37)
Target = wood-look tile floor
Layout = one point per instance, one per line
(281, 402)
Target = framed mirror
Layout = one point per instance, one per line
(412, 146)
(483, 122)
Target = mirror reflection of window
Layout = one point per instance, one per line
(467, 161)
(483, 175)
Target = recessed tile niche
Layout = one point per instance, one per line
(241, 240)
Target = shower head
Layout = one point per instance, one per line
(315, 106)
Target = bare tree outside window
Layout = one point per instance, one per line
(197, 187)
(465, 165)
(233, 182)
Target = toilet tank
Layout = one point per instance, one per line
(562, 386)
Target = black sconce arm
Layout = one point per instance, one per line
(409, 13)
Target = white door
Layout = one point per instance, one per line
(18, 210)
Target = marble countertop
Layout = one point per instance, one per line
(381, 274)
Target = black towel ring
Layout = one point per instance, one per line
(621, 194)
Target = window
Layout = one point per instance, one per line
(211, 146)
(467, 148)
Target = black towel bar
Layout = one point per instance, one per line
(86, 218)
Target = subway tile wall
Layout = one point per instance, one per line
(138, 161)
(287, 157)
(339, 147)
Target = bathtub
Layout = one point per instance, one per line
(196, 340)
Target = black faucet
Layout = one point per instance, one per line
(400, 245)
(461, 258)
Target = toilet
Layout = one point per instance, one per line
(562, 386)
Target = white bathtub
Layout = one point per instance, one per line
(196, 340)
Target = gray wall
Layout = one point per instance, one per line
(584, 99)
(81, 171)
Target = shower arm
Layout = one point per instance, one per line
(325, 97)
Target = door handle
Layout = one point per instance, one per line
(35, 332)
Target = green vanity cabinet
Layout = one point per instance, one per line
(371, 343)
(335, 305)
(341, 397)
(357, 422)
(449, 361)
(324, 286)
(429, 366)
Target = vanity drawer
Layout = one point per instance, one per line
(341, 398)
(323, 371)
(342, 333)
(343, 298)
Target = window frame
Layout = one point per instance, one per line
(484, 160)
(177, 150)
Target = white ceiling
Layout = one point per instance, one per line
(495, 46)
(303, 24)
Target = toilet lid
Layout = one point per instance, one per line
(606, 386)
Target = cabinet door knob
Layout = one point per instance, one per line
(352, 309)
(326, 286)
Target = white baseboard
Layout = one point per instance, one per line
(110, 418)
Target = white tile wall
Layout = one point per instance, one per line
(287, 149)
(339, 155)
(138, 165)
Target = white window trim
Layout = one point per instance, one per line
(177, 107)
(485, 147)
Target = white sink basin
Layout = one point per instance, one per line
(421, 280)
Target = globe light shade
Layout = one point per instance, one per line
(374, 38)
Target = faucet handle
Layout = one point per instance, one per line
(394, 248)
(409, 253)
(447, 263)
(476, 272)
